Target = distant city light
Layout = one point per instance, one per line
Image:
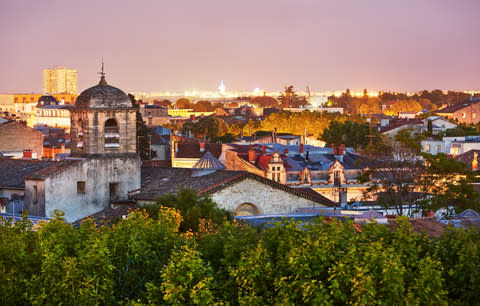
(222, 88)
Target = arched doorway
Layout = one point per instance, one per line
(247, 209)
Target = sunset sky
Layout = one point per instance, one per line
(177, 45)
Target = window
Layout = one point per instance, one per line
(112, 136)
(473, 116)
(276, 173)
(427, 147)
(35, 194)
(439, 148)
(80, 187)
(464, 115)
(337, 179)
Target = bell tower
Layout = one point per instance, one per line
(103, 122)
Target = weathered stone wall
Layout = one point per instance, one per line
(93, 126)
(59, 191)
(16, 137)
(267, 199)
(38, 208)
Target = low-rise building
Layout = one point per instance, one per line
(154, 115)
(240, 192)
(451, 145)
(466, 112)
(17, 137)
(333, 173)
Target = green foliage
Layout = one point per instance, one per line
(140, 246)
(211, 127)
(459, 253)
(188, 280)
(76, 266)
(296, 123)
(192, 207)
(144, 260)
(350, 133)
(20, 260)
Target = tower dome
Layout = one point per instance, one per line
(103, 96)
(103, 122)
(47, 100)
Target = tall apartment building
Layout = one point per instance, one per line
(60, 80)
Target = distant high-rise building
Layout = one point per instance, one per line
(60, 80)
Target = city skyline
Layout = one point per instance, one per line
(151, 46)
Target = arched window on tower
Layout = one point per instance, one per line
(80, 133)
(112, 135)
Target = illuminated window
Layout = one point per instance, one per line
(464, 115)
(427, 147)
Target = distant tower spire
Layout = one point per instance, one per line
(102, 76)
(222, 88)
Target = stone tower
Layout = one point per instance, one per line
(103, 122)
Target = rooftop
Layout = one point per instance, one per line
(13, 170)
(158, 181)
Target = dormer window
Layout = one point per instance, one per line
(112, 135)
(337, 177)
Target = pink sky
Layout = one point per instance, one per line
(158, 45)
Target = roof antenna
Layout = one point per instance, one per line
(102, 76)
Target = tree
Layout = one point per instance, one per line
(290, 99)
(349, 133)
(183, 103)
(192, 207)
(203, 106)
(211, 127)
(143, 140)
(264, 101)
(164, 103)
(404, 106)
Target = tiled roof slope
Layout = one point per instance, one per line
(453, 108)
(431, 226)
(12, 171)
(54, 168)
(157, 182)
(192, 150)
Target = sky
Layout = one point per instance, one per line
(178, 45)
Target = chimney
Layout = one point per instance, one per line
(27, 154)
(251, 155)
(339, 151)
(263, 150)
(301, 148)
(285, 151)
(202, 146)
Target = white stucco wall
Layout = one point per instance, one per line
(61, 189)
(267, 199)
